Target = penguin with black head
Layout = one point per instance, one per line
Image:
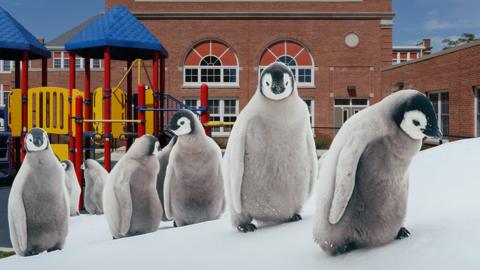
(38, 205)
(193, 189)
(363, 180)
(270, 162)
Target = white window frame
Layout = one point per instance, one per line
(63, 66)
(311, 108)
(439, 109)
(351, 103)
(221, 84)
(2, 96)
(477, 92)
(221, 109)
(1, 66)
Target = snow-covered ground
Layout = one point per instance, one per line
(443, 217)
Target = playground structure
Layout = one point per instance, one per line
(84, 118)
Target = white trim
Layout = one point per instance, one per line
(477, 93)
(439, 109)
(220, 84)
(1, 66)
(311, 108)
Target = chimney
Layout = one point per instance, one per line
(41, 40)
(427, 43)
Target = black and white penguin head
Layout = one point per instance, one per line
(277, 82)
(145, 146)
(182, 123)
(416, 117)
(36, 140)
(67, 165)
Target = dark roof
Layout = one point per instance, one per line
(59, 42)
(120, 30)
(15, 39)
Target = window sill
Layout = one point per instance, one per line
(307, 87)
(213, 86)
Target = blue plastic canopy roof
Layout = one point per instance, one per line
(119, 29)
(14, 39)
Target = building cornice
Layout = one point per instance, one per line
(264, 15)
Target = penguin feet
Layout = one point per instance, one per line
(402, 233)
(296, 217)
(53, 249)
(174, 224)
(248, 227)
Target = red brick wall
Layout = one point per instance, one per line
(336, 65)
(457, 72)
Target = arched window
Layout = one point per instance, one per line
(294, 55)
(211, 62)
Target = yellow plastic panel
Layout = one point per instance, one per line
(61, 150)
(48, 108)
(149, 114)
(118, 110)
(15, 112)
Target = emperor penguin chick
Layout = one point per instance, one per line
(95, 178)
(270, 162)
(363, 180)
(193, 190)
(130, 199)
(38, 206)
(73, 187)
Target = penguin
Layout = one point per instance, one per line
(193, 190)
(130, 198)
(38, 206)
(163, 157)
(73, 187)
(95, 177)
(363, 180)
(270, 162)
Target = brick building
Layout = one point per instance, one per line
(336, 49)
(402, 54)
(451, 79)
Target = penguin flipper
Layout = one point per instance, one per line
(313, 157)
(233, 165)
(345, 175)
(124, 201)
(166, 192)
(17, 218)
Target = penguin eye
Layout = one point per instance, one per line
(267, 83)
(182, 122)
(416, 123)
(286, 84)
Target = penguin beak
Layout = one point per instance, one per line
(433, 132)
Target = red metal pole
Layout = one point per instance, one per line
(106, 109)
(24, 99)
(204, 103)
(79, 143)
(87, 102)
(155, 91)
(71, 86)
(44, 72)
(162, 91)
(17, 141)
(129, 104)
(141, 114)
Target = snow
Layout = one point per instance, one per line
(443, 217)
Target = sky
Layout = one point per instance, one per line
(414, 20)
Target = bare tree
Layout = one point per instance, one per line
(463, 39)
